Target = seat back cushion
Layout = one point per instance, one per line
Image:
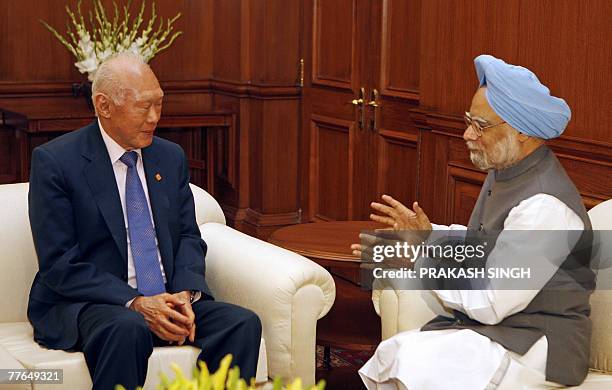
(17, 254)
(207, 208)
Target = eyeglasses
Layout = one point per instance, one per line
(476, 125)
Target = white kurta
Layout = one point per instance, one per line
(462, 358)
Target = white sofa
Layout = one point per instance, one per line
(402, 310)
(288, 292)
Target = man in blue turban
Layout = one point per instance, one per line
(498, 338)
(517, 96)
(518, 111)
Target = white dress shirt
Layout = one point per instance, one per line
(462, 358)
(115, 151)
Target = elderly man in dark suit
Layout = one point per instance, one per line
(121, 261)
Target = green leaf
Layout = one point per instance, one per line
(277, 384)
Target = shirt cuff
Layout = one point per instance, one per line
(129, 303)
(196, 296)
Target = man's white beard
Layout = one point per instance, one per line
(504, 153)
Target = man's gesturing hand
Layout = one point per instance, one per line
(397, 217)
(166, 322)
(400, 217)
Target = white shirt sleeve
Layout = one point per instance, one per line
(454, 226)
(539, 212)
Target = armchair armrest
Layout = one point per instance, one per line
(402, 310)
(288, 292)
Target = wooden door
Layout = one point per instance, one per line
(336, 146)
(354, 154)
(395, 42)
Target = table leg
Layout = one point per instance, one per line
(327, 357)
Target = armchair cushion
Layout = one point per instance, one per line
(17, 340)
(17, 256)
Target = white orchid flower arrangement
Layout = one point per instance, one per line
(91, 46)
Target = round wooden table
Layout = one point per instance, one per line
(352, 322)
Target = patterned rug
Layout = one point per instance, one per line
(343, 358)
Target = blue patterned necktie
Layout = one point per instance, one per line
(142, 234)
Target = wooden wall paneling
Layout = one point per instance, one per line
(195, 78)
(262, 88)
(397, 165)
(185, 101)
(279, 135)
(32, 44)
(569, 55)
(592, 177)
(330, 168)
(440, 146)
(463, 179)
(334, 44)
(9, 155)
(463, 189)
(256, 144)
(233, 189)
(364, 162)
(400, 48)
(448, 181)
(397, 128)
(273, 165)
(50, 67)
(227, 40)
(191, 55)
(425, 165)
(439, 188)
(569, 62)
(304, 166)
(39, 71)
(223, 157)
(452, 34)
(275, 41)
(194, 143)
(226, 145)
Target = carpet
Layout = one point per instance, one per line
(344, 358)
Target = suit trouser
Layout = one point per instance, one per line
(117, 342)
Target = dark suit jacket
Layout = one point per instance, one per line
(79, 233)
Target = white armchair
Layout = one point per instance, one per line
(402, 310)
(288, 292)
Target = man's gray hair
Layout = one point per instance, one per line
(107, 79)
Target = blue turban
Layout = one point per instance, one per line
(518, 97)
